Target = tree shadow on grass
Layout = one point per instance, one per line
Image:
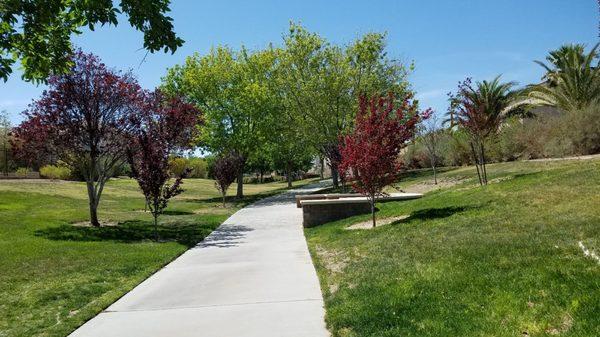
(176, 212)
(436, 213)
(188, 234)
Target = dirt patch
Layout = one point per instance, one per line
(566, 324)
(379, 222)
(586, 157)
(332, 260)
(89, 224)
(428, 186)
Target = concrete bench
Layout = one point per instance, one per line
(300, 198)
(319, 211)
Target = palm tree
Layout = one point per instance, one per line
(481, 109)
(572, 79)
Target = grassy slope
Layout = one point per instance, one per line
(501, 260)
(54, 276)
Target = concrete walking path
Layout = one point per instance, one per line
(252, 277)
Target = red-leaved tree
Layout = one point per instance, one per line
(370, 153)
(225, 171)
(84, 120)
(163, 126)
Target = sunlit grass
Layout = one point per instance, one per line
(54, 276)
(500, 260)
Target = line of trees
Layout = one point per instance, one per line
(276, 108)
(93, 119)
(282, 106)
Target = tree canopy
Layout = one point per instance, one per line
(38, 32)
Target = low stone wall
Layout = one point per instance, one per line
(13, 175)
(318, 213)
(322, 208)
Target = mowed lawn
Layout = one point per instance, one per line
(54, 276)
(501, 260)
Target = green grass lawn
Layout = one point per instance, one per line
(54, 276)
(501, 260)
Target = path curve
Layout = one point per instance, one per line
(251, 277)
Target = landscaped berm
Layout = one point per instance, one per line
(510, 259)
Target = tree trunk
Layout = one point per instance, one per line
(224, 198)
(289, 176)
(5, 159)
(485, 181)
(373, 209)
(240, 185)
(322, 168)
(476, 159)
(262, 174)
(93, 202)
(434, 175)
(155, 226)
(334, 176)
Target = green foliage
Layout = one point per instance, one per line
(283, 105)
(5, 147)
(199, 168)
(22, 172)
(321, 82)
(572, 79)
(177, 166)
(55, 172)
(38, 33)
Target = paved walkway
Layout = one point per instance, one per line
(253, 276)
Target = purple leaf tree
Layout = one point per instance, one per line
(225, 171)
(164, 125)
(84, 119)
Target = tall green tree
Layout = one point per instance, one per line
(322, 83)
(572, 79)
(38, 32)
(5, 127)
(231, 88)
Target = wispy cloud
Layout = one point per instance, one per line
(10, 103)
(430, 94)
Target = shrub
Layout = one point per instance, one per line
(583, 129)
(22, 172)
(199, 168)
(177, 166)
(55, 172)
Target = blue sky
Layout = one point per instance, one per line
(447, 40)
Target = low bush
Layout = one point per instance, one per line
(177, 166)
(199, 168)
(22, 172)
(55, 172)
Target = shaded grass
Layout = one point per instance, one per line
(54, 276)
(500, 260)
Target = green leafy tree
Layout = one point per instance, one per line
(5, 127)
(572, 79)
(38, 32)
(322, 83)
(231, 89)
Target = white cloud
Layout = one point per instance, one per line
(429, 94)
